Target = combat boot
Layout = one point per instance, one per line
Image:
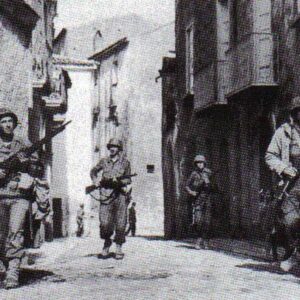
(105, 252)
(206, 244)
(199, 244)
(12, 274)
(119, 252)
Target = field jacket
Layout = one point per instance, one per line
(278, 152)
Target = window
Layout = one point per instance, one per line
(150, 169)
(114, 76)
(189, 70)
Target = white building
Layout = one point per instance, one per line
(74, 148)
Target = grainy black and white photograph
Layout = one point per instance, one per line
(149, 149)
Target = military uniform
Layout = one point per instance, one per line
(114, 200)
(283, 155)
(199, 183)
(79, 220)
(14, 204)
(132, 221)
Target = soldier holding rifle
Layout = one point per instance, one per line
(16, 159)
(283, 157)
(112, 176)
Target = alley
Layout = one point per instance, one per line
(152, 269)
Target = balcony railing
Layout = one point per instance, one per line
(211, 85)
(252, 63)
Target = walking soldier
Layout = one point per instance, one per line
(283, 157)
(114, 196)
(14, 203)
(132, 220)
(198, 187)
(80, 221)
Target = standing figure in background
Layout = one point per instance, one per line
(14, 202)
(199, 188)
(41, 207)
(114, 196)
(132, 220)
(80, 221)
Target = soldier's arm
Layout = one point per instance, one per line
(42, 192)
(188, 184)
(273, 155)
(94, 172)
(127, 171)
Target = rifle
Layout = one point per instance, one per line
(13, 163)
(107, 183)
(288, 185)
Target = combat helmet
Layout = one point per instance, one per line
(114, 142)
(295, 103)
(5, 112)
(199, 158)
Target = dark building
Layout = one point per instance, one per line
(236, 70)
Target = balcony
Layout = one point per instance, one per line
(54, 102)
(252, 63)
(211, 85)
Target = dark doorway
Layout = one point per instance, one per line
(57, 218)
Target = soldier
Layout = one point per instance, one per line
(114, 196)
(80, 220)
(283, 157)
(198, 187)
(41, 207)
(14, 203)
(132, 220)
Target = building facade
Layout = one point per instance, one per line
(236, 71)
(30, 84)
(75, 146)
(15, 53)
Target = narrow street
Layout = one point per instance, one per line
(152, 269)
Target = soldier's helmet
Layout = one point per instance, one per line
(199, 158)
(5, 112)
(115, 143)
(295, 104)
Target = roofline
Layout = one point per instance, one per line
(116, 47)
(66, 61)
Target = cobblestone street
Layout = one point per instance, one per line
(152, 269)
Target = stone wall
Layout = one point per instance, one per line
(15, 75)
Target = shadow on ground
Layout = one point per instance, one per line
(270, 268)
(100, 256)
(151, 237)
(30, 276)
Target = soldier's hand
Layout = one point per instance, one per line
(22, 157)
(2, 173)
(95, 181)
(290, 172)
(193, 193)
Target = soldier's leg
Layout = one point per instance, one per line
(207, 223)
(36, 227)
(106, 218)
(15, 241)
(198, 227)
(4, 218)
(121, 219)
(133, 229)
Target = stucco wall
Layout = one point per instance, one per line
(15, 75)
